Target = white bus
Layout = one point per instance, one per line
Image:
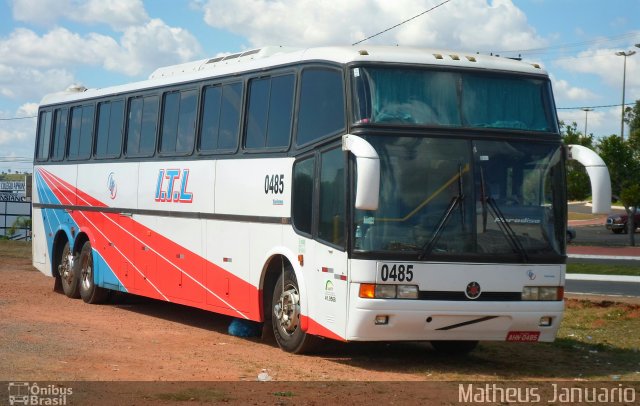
(376, 194)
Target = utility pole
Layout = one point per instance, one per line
(624, 77)
(586, 113)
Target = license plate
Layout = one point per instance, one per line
(523, 336)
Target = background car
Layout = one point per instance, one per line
(618, 222)
(571, 234)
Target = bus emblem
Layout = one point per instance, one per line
(112, 186)
(473, 290)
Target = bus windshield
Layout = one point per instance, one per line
(413, 96)
(466, 198)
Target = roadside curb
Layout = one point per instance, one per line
(605, 278)
(618, 257)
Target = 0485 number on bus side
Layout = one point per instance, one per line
(274, 184)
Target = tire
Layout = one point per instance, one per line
(454, 347)
(68, 276)
(285, 317)
(89, 291)
(617, 231)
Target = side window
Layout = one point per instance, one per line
(44, 136)
(109, 132)
(81, 134)
(322, 106)
(178, 122)
(59, 134)
(332, 210)
(303, 194)
(270, 112)
(142, 121)
(221, 117)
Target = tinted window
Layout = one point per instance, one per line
(59, 134)
(332, 198)
(257, 113)
(221, 117)
(230, 116)
(81, 134)
(44, 135)
(109, 136)
(303, 194)
(270, 111)
(321, 105)
(141, 127)
(178, 122)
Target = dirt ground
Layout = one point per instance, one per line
(47, 337)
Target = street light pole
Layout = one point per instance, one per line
(586, 113)
(624, 78)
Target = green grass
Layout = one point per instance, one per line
(583, 216)
(605, 325)
(15, 249)
(604, 269)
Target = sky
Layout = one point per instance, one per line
(48, 45)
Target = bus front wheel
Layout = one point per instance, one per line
(89, 291)
(68, 276)
(285, 318)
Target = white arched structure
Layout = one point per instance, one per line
(598, 174)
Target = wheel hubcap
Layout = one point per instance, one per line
(87, 274)
(287, 310)
(66, 266)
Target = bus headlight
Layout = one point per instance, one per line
(407, 292)
(385, 291)
(375, 291)
(543, 293)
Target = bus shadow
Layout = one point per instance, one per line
(174, 312)
(564, 359)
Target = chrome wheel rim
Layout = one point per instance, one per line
(287, 310)
(86, 272)
(65, 269)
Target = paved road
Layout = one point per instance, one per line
(602, 287)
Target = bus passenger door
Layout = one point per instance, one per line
(325, 256)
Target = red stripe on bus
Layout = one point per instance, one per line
(190, 279)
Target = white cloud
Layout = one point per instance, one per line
(140, 50)
(601, 122)
(604, 64)
(463, 24)
(23, 83)
(17, 138)
(118, 14)
(564, 92)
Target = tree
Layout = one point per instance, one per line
(21, 223)
(623, 162)
(578, 184)
(632, 118)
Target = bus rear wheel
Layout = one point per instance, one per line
(285, 318)
(68, 276)
(89, 291)
(454, 347)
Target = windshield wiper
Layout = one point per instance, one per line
(506, 229)
(502, 222)
(456, 201)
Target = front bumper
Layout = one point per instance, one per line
(417, 320)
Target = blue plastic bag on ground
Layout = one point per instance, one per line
(245, 328)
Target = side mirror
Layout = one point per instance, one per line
(598, 175)
(368, 163)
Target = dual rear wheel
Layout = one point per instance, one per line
(77, 275)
